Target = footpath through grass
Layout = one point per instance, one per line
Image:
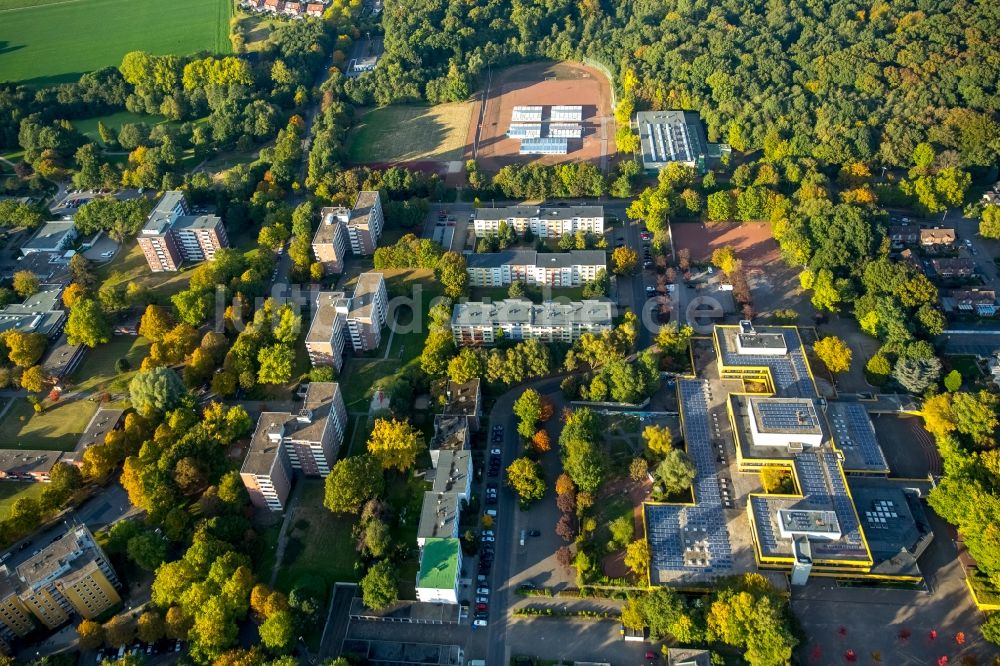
(44, 43)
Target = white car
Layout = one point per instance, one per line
(492, 513)
(479, 623)
(109, 253)
(483, 591)
(487, 539)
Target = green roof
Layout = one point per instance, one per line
(439, 564)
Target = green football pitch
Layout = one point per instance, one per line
(43, 42)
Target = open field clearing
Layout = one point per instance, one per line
(42, 43)
(411, 133)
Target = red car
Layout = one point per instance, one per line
(482, 607)
(650, 655)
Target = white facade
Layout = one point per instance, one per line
(519, 319)
(543, 222)
(573, 275)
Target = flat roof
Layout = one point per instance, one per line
(39, 313)
(363, 206)
(50, 234)
(809, 520)
(20, 462)
(103, 422)
(540, 212)
(439, 564)
(440, 513)
(537, 259)
(330, 219)
(325, 315)
(196, 222)
(463, 399)
(450, 432)
(524, 312)
(75, 543)
(854, 436)
(263, 450)
(785, 415)
(364, 295)
(670, 136)
(452, 473)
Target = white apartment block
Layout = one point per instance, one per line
(554, 269)
(479, 323)
(551, 222)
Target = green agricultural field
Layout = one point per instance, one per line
(411, 133)
(42, 43)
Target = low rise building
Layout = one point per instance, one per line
(28, 465)
(951, 268)
(55, 237)
(464, 400)
(451, 433)
(981, 302)
(903, 235)
(39, 313)
(553, 269)
(480, 323)
(544, 222)
(673, 136)
(70, 575)
(440, 570)
(937, 240)
(173, 234)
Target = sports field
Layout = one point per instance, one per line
(55, 41)
(394, 134)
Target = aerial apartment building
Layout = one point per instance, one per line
(555, 269)
(367, 312)
(358, 229)
(173, 235)
(306, 441)
(340, 319)
(325, 338)
(477, 323)
(552, 222)
(70, 575)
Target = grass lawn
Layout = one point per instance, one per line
(130, 266)
(361, 375)
(406, 499)
(11, 491)
(411, 133)
(55, 42)
(97, 369)
(535, 294)
(114, 122)
(266, 551)
(58, 428)
(320, 543)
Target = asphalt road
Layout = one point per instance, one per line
(494, 642)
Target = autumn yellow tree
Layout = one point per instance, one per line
(659, 439)
(395, 444)
(637, 557)
(834, 353)
(724, 258)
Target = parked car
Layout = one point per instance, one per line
(482, 600)
(534, 533)
(479, 622)
(487, 539)
(482, 607)
(485, 591)
(492, 513)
